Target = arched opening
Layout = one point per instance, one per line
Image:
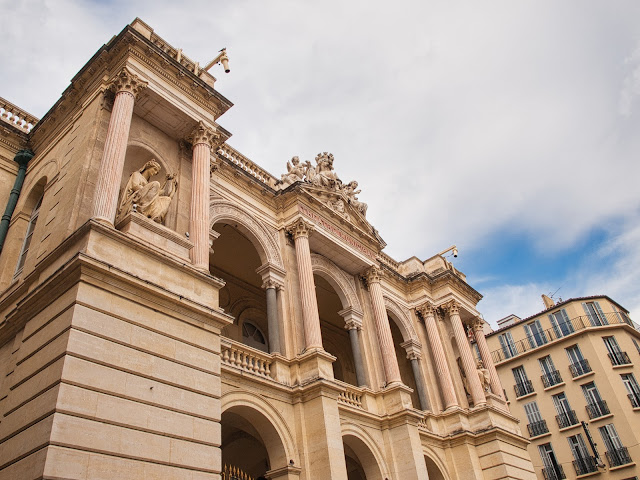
(360, 461)
(406, 372)
(235, 260)
(335, 338)
(250, 442)
(433, 470)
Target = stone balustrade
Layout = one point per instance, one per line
(247, 165)
(246, 358)
(350, 395)
(15, 116)
(388, 261)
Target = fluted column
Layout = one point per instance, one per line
(202, 139)
(485, 354)
(470, 368)
(300, 231)
(354, 326)
(383, 329)
(127, 86)
(428, 313)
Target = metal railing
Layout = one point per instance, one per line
(619, 456)
(550, 379)
(567, 419)
(553, 473)
(575, 324)
(634, 398)
(229, 472)
(597, 409)
(585, 465)
(581, 367)
(619, 358)
(537, 428)
(523, 388)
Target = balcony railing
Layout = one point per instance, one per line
(585, 465)
(617, 457)
(523, 388)
(537, 428)
(581, 367)
(553, 473)
(578, 323)
(567, 419)
(597, 409)
(550, 379)
(619, 358)
(634, 398)
(245, 358)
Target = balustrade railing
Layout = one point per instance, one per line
(617, 457)
(550, 379)
(523, 388)
(634, 398)
(597, 409)
(619, 358)
(574, 325)
(567, 419)
(581, 367)
(537, 428)
(245, 164)
(555, 472)
(350, 395)
(15, 116)
(585, 465)
(246, 358)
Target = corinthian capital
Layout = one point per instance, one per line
(426, 309)
(453, 308)
(204, 134)
(477, 324)
(300, 228)
(373, 275)
(125, 81)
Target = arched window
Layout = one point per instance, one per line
(253, 336)
(27, 239)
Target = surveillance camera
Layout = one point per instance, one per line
(455, 252)
(225, 64)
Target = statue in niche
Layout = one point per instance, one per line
(295, 172)
(351, 190)
(145, 196)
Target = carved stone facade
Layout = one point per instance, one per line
(224, 320)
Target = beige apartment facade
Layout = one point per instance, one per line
(171, 310)
(571, 376)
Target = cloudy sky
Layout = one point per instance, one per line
(509, 128)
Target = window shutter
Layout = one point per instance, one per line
(554, 324)
(586, 311)
(527, 332)
(601, 313)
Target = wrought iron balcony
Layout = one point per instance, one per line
(537, 428)
(597, 409)
(579, 368)
(634, 398)
(619, 456)
(567, 419)
(619, 358)
(523, 388)
(550, 379)
(553, 473)
(585, 465)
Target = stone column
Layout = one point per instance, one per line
(413, 355)
(127, 86)
(383, 329)
(428, 313)
(353, 323)
(273, 321)
(470, 367)
(485, 354)
(202, 139)
(300, 231)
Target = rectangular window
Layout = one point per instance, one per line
(27, 239)
(633, 390)
(596, 407)
(552, 469)
(550, 376)
(594, 313)
(616, 355)
(616, 453)
(523, 385)
(566, 416)
(535, 334)
(583, 462)
(537, 426)
(577, 363)
(507, 344)
(560, 323)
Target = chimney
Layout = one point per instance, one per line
(548, 302)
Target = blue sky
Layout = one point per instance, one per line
(507, 128)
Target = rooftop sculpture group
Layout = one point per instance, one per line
(323, 175)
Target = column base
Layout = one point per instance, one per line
(314, 364)
(397, 397)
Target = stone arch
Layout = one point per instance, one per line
(367, 450)
(401, 318)
(150, 148)
(275, 433)
(436, 468)
(341, 283)
(257, 232)
(40, 178)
